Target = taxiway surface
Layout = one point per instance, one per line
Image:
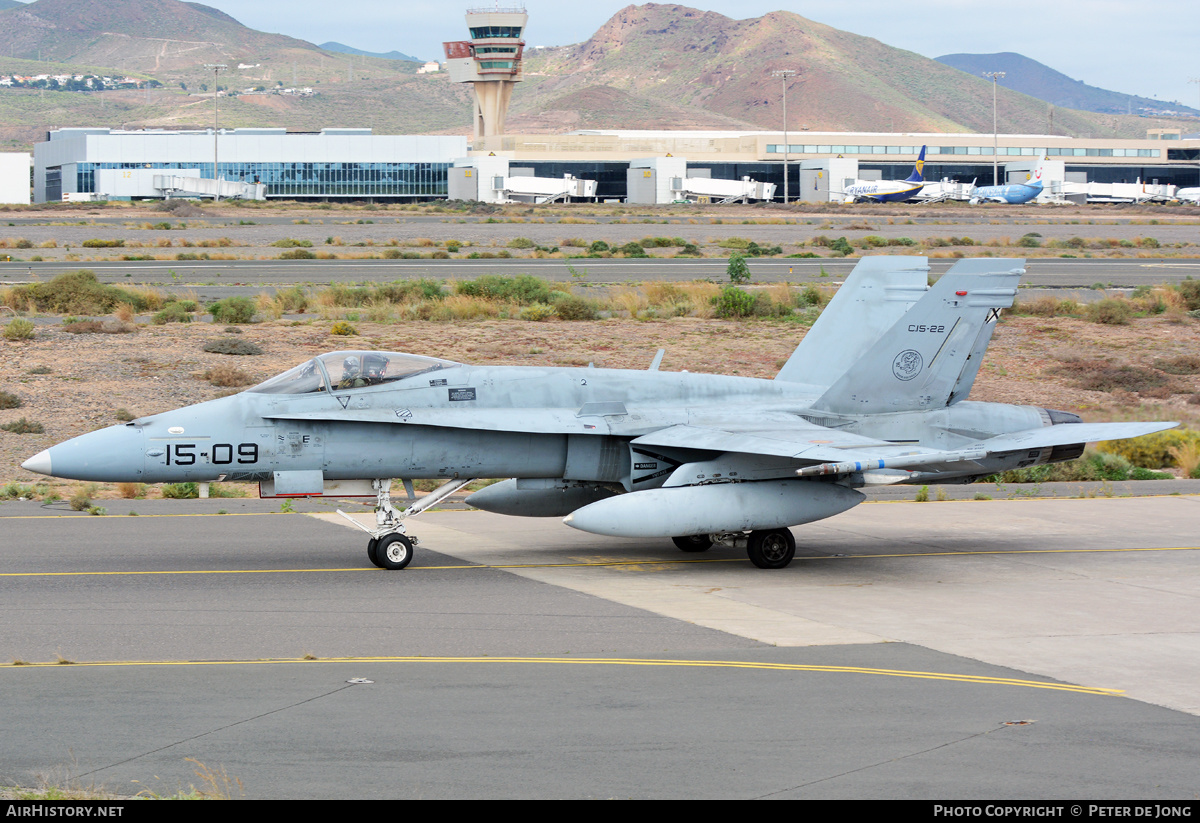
(990, 649)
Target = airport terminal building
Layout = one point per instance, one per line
(354, 164)
(333, 163)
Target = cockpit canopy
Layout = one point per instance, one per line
(350, 370)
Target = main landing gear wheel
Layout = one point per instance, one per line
(693, 543)
(392, 551)
(771, 548)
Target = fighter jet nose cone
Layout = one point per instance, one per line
(39, 463)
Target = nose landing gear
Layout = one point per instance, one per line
(390, 546)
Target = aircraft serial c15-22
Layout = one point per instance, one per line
(874, 394)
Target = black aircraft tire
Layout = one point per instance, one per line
(771, 548)
(372, 545)
(692, 543)
(394, 551)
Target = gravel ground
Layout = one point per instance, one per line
(58, 236)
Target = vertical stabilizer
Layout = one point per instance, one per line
(929, 358)
(874, 296)
(918, 171)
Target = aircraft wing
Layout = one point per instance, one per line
(834, 452)
(798, 440)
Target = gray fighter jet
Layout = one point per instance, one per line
(875, 394)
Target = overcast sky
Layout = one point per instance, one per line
(1131, 46)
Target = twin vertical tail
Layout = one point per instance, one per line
(873, 297)
(930, 357)
(918, 172)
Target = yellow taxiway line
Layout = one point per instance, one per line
(599, 563)
(603, 661)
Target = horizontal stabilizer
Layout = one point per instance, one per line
(1067, 434)
(1045, 437)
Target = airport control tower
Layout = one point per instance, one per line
(490, 61)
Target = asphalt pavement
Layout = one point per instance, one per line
(1023, 648)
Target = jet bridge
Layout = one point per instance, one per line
(521, 189)
(144, 183)
(489, 179)
(654, 180)
(709, 190)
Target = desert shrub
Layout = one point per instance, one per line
(131, 491)
(232, 345)
(841, 245)
(343, 328)
(733, 302)
(537, 311)
(737, 269)
(658, 242)
(755, 250)
(598, 246)
(103, 244)
(227, 377)
(8, 400)
(233, 310)
(1189, 290)
(24, 426)
(522, 289)
(1110, 311)
(1046, 306)
(124, 415)
(570, 307)
(19, 329)
(872, 241)
(291, 243)
(521, 243)
(292, 300)
(172, 313)
(1093, 466)
(297, 254)
(812, 296)
(180, 491)
(100, 327)
(1030, 241)
(78, 293)
(633, 249)
(1152, 450)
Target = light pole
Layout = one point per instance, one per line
(216, 70)
(995, 75)
(784, 74)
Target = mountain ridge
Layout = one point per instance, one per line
(651, 66)
(1028, 76)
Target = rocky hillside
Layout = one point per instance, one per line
(649, 67)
